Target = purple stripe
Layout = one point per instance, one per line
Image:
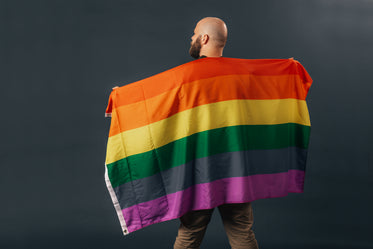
(213, 194)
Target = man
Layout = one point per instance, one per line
(210, 36)
(214, 132)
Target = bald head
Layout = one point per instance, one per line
(210, 36)
(215, 28)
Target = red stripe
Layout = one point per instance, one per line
(206, 68)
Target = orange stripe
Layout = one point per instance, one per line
(206, 68)
(203, 92)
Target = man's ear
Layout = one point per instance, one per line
(204, 39)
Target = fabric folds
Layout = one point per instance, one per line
(208, 132)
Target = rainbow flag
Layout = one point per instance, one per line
(208, 132)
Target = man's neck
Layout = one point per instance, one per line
(204, 56)
(211, 52)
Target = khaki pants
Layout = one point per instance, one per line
(237, 220)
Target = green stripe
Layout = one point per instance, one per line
(207, 143)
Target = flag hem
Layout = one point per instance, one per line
(116, 203)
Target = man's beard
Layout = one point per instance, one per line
(195, 48)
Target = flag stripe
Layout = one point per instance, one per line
(213, 194)
(155, 135)
(208, 68)
(206, 91)
(207, 143)
(208, 169)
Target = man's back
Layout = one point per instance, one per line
(215, 132)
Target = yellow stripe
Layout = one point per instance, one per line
(206, 117)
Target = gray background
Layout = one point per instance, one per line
(59, 60)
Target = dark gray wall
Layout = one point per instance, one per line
(59, 60)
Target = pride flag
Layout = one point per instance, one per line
(208, 132)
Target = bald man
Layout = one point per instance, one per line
(210, 36)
